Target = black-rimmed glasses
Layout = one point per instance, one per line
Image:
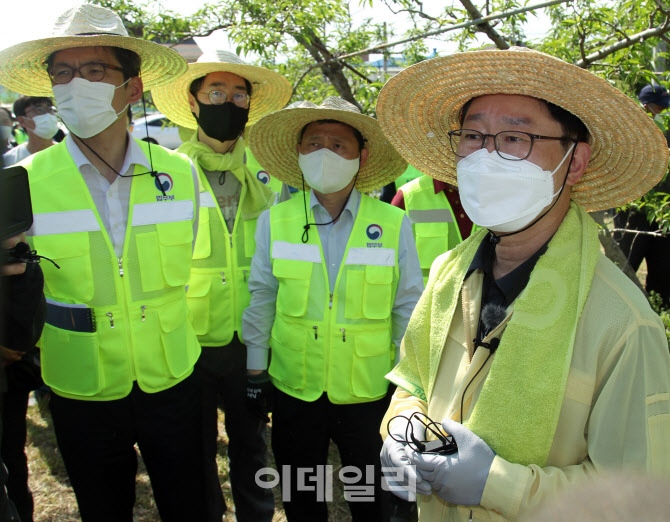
(93, 72)
(510, 145)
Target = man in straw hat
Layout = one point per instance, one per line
(534, 352)
(217, 97)
(118, 217)
(333, 282)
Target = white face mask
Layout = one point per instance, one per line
(326, 171)
(86, 107)
(46, 126)
(504, 195)
(5, 132)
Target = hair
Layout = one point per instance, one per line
(23, 102)
(130, 61)
(197, 84)
(9, 113)
(357, 134)
(571, 126)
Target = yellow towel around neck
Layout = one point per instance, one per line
(518, 408)
(258, 197)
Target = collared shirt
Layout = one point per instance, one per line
(615, 413)
(113, 199)
(18, 153)
(451, 193)
(259, 317)
(504, 290)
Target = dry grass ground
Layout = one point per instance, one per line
(55, 501)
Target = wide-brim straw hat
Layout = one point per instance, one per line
(274, 138)
(85, 25)
(270, 90)
(417, 107)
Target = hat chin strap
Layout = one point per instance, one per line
(305, 234)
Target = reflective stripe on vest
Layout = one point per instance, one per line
(341, 342)
(433, 222)
(138, 307)
(218, 293)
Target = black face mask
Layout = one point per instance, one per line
(223, 122)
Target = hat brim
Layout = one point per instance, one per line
(22, 65)
(417, 107)
(274, 139)
(270, 91)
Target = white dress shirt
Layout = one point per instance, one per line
(113, 199)
(258, 319)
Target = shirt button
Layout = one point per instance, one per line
(451, 190)
(462, 216)
(458, 202)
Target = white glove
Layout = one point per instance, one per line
(458, 478)
(403, 480)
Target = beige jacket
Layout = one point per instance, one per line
(615, 412)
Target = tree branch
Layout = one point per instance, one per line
(486, 27)
(586, 62)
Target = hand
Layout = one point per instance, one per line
(10, 356)
(404, 480)
(259, 395)
(459, 478)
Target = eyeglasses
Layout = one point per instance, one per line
(241, 99)
(39, 110)
(93, 72)
(510, 145)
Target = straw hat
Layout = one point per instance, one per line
(85, 25)
(273, 142)
(420, 105)
(270, 90)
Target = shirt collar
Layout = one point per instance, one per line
(134, 155)
(441, 186)
(351, 206)
(512, 284)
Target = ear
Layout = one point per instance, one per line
(193, 104)
(135, 89)
(579, 163)
(22, 120)
(364, 156)
(297, 148)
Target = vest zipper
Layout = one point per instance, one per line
(121, 267)
(344, 339)
(144, 317)
(330, 303)
(223, 278)
(244, 272)
(111, 319)
(230, 237)
(316, 329)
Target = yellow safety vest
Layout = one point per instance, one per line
(433, 222)
(140, 329)
(218, 293)
(260, 173)
(339, 342)
(407, 176)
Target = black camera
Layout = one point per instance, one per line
(16, 213)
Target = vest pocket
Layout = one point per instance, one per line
(203, 242)
(377, 292)
(288, 355)
(197, 298)
(70, 361)
(294, 279)
(432, 240)
(372, 361)
(176, 241)
(180, 346)
(71, 252)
